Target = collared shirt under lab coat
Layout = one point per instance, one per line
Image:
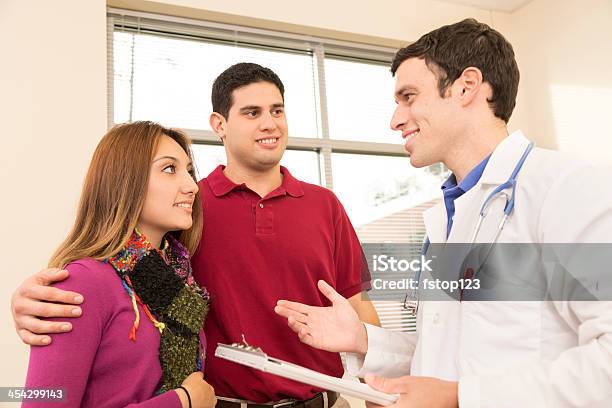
(521, 353)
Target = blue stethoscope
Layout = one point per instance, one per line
(412, 304)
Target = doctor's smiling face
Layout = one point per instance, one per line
(455, 92)
(429, 122)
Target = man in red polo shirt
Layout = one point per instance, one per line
(266, 236)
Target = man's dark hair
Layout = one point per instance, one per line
(237, 76)
(450, 49)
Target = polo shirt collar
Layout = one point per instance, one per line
(290, 184)
(221, 185)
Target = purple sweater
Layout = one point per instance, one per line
(96, 363)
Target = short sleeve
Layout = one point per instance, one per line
(353, 274)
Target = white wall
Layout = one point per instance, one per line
(53, 110)
(564, 50)
(53, 99)
(397, 19)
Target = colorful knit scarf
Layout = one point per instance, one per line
(162, 282)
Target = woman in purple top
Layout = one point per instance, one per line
(139, 342)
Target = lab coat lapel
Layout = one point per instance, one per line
(437, 321)
(466, 214)
(435, 222)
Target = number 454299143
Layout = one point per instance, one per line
(13, 394)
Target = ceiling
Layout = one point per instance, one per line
(507, 6)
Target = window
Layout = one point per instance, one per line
(170, 79)
(339, 102)
(359, 100)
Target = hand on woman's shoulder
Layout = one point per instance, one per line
(91, 277)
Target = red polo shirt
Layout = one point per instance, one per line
(255, 251)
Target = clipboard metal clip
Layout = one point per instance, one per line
(247, 347)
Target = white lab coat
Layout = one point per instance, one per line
(514, 353)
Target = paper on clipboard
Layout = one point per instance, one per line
(256, 358)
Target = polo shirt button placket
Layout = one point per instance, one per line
(264, 219)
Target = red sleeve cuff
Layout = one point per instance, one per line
(355, 289)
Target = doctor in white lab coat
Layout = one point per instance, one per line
(496, 353)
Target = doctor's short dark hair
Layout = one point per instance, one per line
(450, 49)
(237, 76)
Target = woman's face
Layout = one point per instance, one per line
(170, 193)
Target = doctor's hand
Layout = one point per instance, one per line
(416, 392)
(334, 328)
(35, 298)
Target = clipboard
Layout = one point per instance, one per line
(254, 357)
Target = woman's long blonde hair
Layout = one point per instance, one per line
(114, 193)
